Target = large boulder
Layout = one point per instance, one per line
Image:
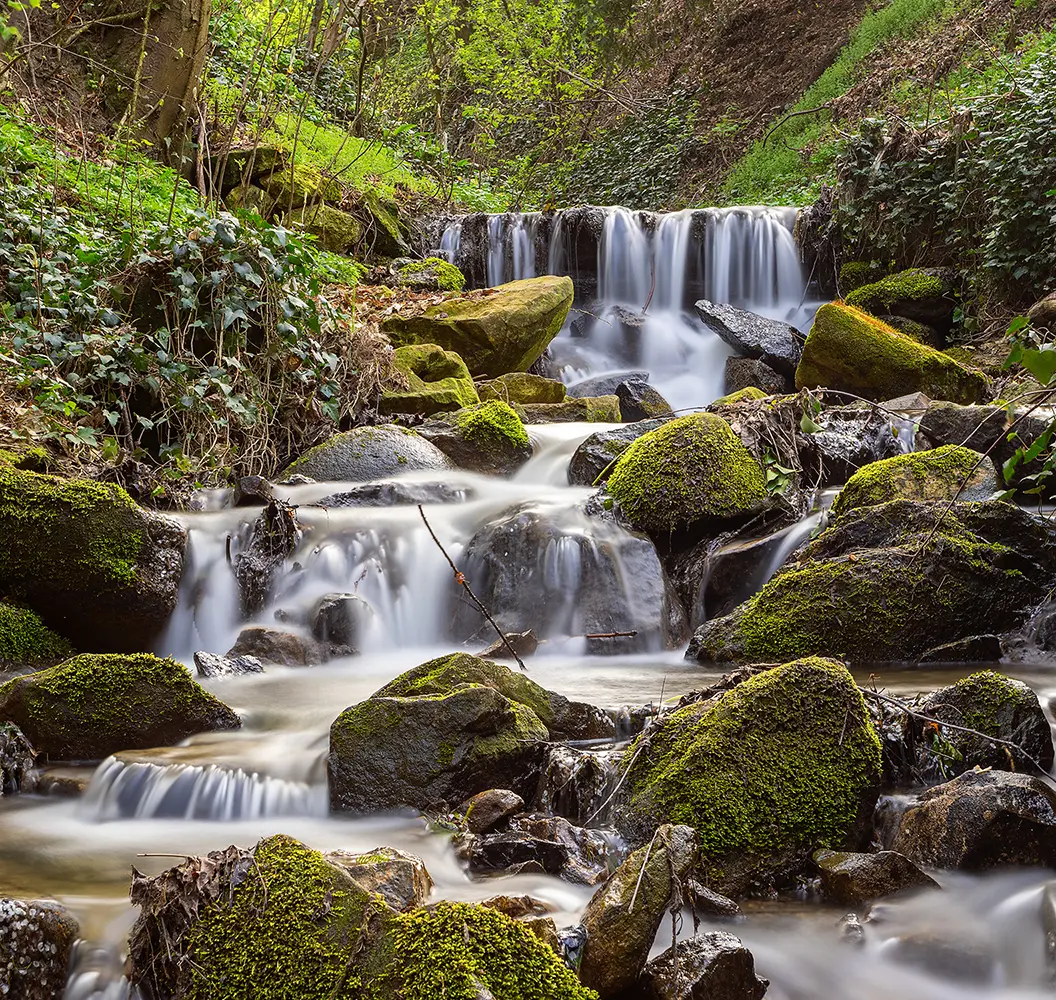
(283, 921)
(501, 330)
(940, 474)
(887, 583)
(97, 704)
(849, 350)
(561, 573)
(26, 643)
(368, 453)
(623, 916)
(778, 345)
(690, 471)
(97, 569)
(520, 387)
(980, 820)
(923, 296)
(335, 230)
(432, 380)
(783, 763)
(597, 455)
(444, 731)
(713, 965)
(36, 944)
(488, 438)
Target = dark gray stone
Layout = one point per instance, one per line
(599, 451)
(253, 491)
(604, 385)
(708, 903)
(752, 336)
(489, 810)
(742, 373)
(710, 966)
(287, 649)
(339, 618)
(640, 401)
(395, 494)
(215, 665)
(854, 879)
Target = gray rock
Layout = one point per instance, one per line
(640, 401)
(401, 879)
(742, 373)
(604, 385)
(394, 495)
(253, 491)
(368, 453)
(489, 810)
(774, 343)
(855, 879)
(16, 761)
(287, 649)
(515, 853)
(494, 455)
(710, 966)
(575, 783)
(708, 903)
(262, 548)
(523, 643)
(338, 619)
(598, 453)
(214, 665)
(36, 942)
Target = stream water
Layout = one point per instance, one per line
(981, 937)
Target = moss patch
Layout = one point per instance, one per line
(436, 381)
(745, 395)
(906, 286)
(689, 470)
(448, 277)
(493, 423)
(26, 641)
(786, 759)
(520, 387)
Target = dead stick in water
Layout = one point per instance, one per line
(460, 579)
(611, 635)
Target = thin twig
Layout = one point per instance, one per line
(611, 635)
(461, 580)
(641, 871)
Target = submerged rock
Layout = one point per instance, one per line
(598, 453)
(980, 820)
(214, 665)
(488, 438)
(576, 783)
(97, 704)
(263, 547)
(99, 570)
(776, 344)
(368, 453)
(36, 944)
(501, 330)
(856, 879)
(432, 380)
(711, 966)
(338, 619)
(17, 758)
(850, 350)
(783, 763)
(395, 494)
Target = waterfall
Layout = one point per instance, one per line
(496, 250)
(451, 241)
(625, 260)
(522, 241)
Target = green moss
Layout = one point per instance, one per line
(851, 350)
(880, 296)
(581, 409)
(745, 395)
(335, 230)
(856, 273)
(303, 185)
(690, 469)
(988, 692)
(26, 640)
(290, 928)
(784, 760)
(448, 277)
(520, 387)
(436, 381)
(526, 730)
(455, 951)
(922, 475)
(493, 422)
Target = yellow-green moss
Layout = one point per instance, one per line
(492, 423)
(690, 469)
(906, 286)
(937, 474)
(336, 231)
(26, 641)
(521, 387)
(849, 349)
(784, 760)
(856, 273)
(745, 395)
(448, 277)
(436, 381)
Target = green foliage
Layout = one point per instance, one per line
(25, 640)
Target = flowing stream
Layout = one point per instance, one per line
(981, 937)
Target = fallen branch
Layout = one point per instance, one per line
(796, 114)
(611, 635)
(461, 580)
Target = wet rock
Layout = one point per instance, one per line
(944, 958)
(623, 916)
(489, 810)
(747, 373)
(980, 820)
(710, 966)
(691, 471)
(776, 344)
(640, 401)
(590, 852)
(524, 644)
(851, 930)
(214, 665)
(503, 330)
(369, 453)
(973, 649)
(576, 410)
(770, 743)
(598, 453)
(253, 491)
(97, 569)
(605, 385)
(431, 380)
(395, 494)
(16, 761)
(263, 548)
(36, 943)
(339, 619)
(620, 328)
(856, 879)
(537, 568)
(1048, 915)
(99, 703)
(518, 907)
(522, 387)
(708, 903)
(272, 645)
(488, 438)
(516, 852)
(844, 440)
(887, 583)
(575, 783)
(401, 879)
(852, 351)
(994, 705)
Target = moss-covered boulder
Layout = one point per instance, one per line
(368, 453)
(434, 274)
(97, 704)
(299, 925)
(581, 410)
(690, 470)
(334, 229)
(785, 762)
(387, 230)
(488, 438)
(444, 731)
(745, 395)
(302, 185)
(939, 474)
(923, 296)
(888, 582)
(98, 570)
(26, 642)
(504, 330)
(850, 350)
(432, 380)
(521, 387)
